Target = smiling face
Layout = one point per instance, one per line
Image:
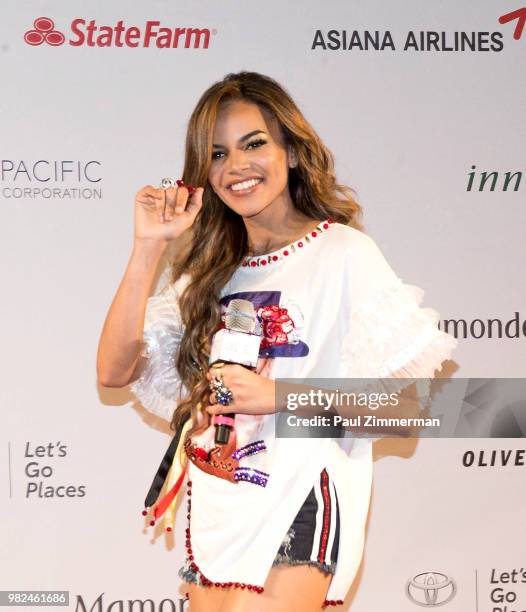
(250, 161)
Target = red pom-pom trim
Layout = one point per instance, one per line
(204, 580)
(332, 602)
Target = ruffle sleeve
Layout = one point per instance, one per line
(391, 337)
(159, 386)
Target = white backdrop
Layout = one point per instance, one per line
(405, 127)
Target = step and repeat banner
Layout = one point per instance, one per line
(422, 105)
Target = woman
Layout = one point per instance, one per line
(270, 225)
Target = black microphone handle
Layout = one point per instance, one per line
(222, 434)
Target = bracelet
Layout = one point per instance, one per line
(251, 475)
(249, 449)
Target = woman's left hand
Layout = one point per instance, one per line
(252, 393)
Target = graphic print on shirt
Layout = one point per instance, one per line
(278, 321)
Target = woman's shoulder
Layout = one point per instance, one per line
(365, 269)
(182, 282)
(174, 288)
(354, 242)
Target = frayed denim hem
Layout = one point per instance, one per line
(329, 568)
(325, 567)
(188, 574)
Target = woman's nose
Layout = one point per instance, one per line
(238, 160)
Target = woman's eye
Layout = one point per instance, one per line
(258, 142)
(254, 143)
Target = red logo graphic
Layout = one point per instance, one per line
(91, 34)
(520, 16)
(277, 325)
(44, 31)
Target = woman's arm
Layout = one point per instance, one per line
(161, 216)
(118, 356)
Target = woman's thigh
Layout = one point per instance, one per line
(205, 598)
(302, 587)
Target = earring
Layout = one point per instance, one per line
(294, 161)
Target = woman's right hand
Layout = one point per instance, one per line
(164, 214)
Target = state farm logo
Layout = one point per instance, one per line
(91, 34)
(44, 32)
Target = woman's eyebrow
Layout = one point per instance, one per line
(245, 137)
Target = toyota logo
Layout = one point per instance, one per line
(431, 589)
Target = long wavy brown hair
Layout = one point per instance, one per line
(218, 238)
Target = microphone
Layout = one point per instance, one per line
(238, 342)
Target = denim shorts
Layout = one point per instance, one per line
(314, 535)
(312, 538)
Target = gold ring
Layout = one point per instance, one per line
(219, 366)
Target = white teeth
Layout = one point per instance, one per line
(245, 184)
